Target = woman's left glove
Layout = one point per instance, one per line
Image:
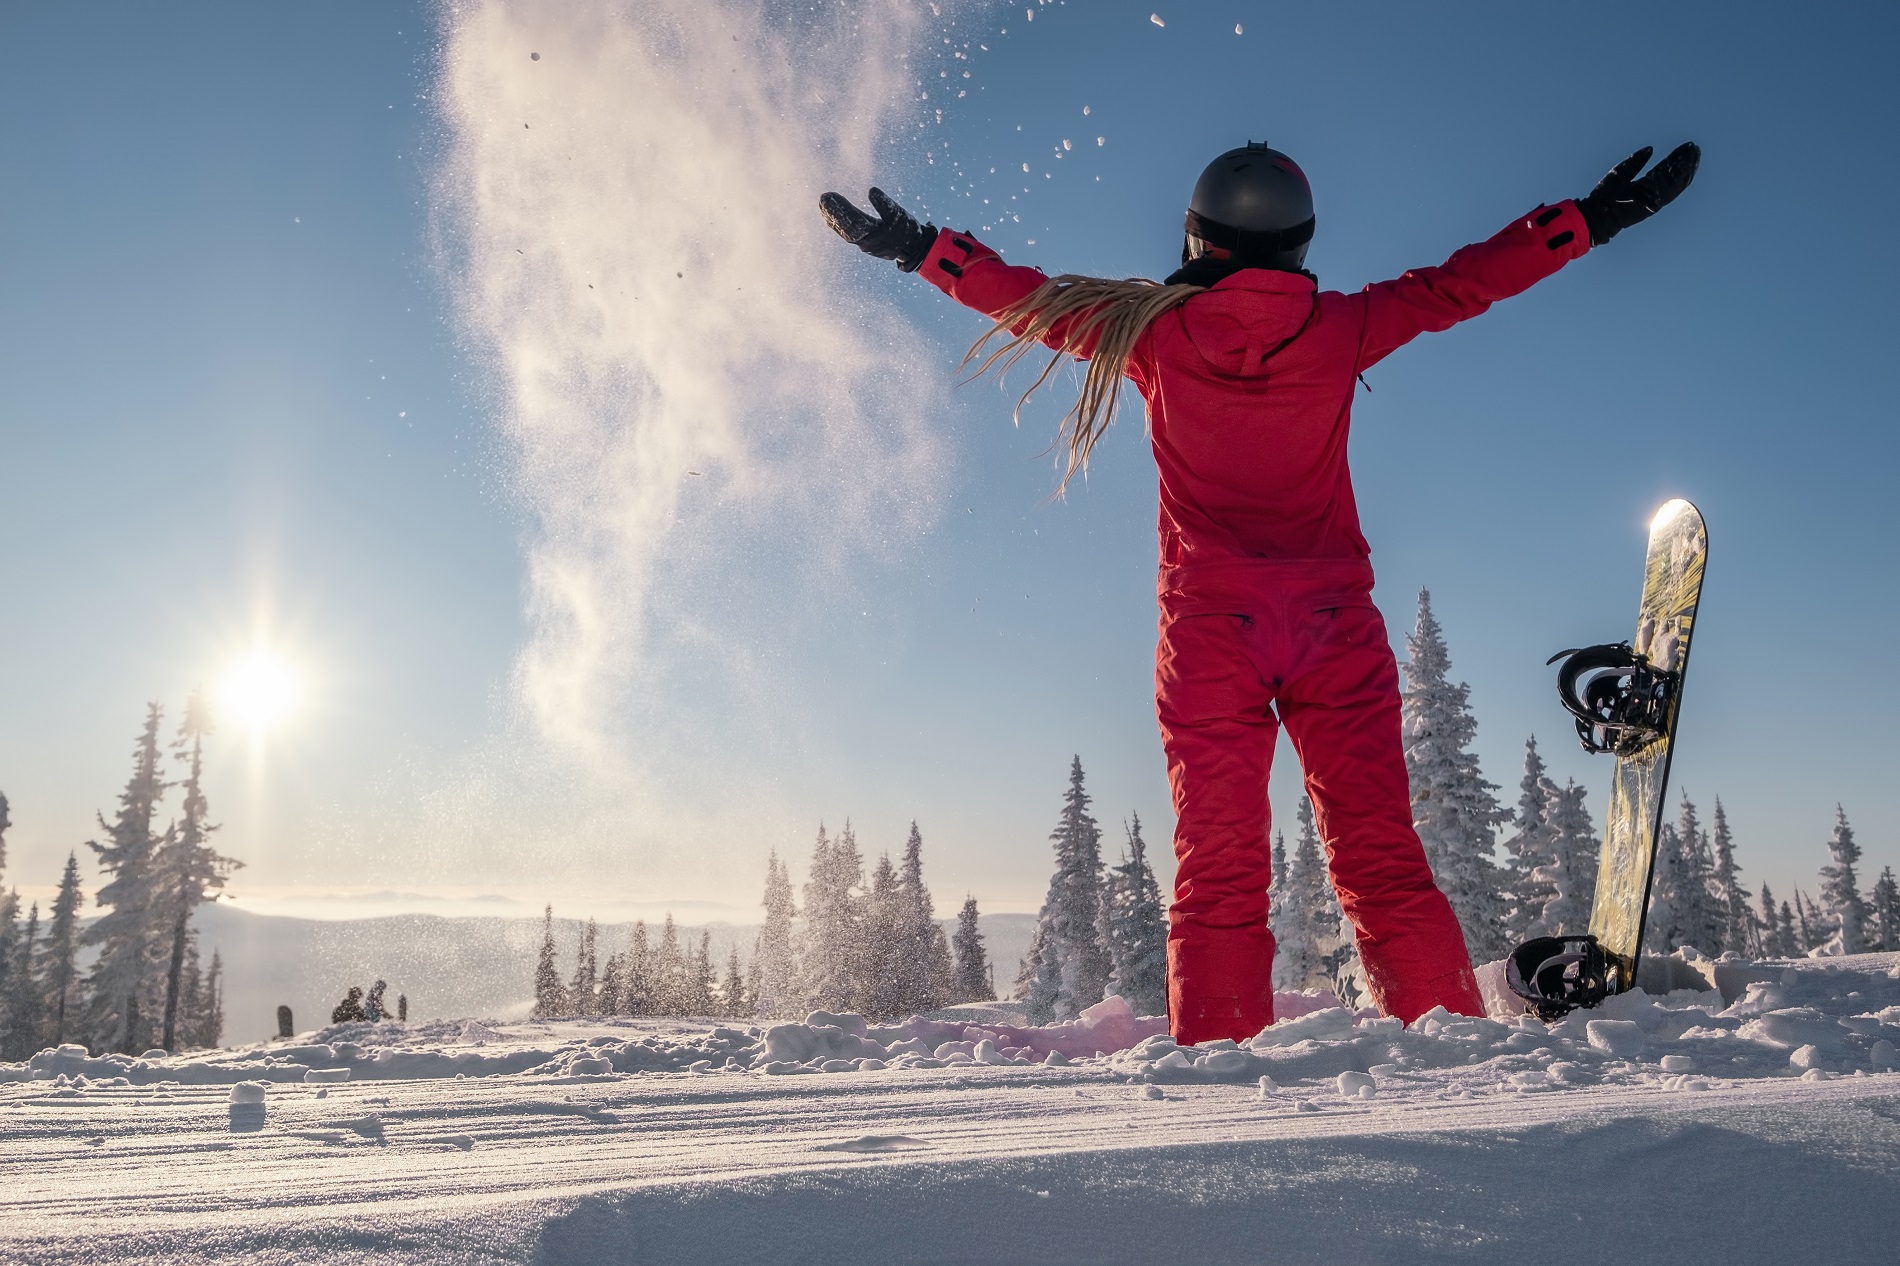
(894, 235)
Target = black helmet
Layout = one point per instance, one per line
(1255, 203)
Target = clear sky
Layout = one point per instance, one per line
(618, 525)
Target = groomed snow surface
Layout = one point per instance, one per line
(1692, 1127)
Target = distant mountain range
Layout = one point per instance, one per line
(449, 967)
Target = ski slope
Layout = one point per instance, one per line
(1682, 1129)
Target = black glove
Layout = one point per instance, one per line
(1622, 199)
(895, 234)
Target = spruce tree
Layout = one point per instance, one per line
(6, 821)
(701, 979)
(611, 1000)
(208, 1023)
(774, 990)
(670, 987)
(1072, 968)
(1667, 920)
(61, 972)
(926, 974)
(1309, 925)
(1736, 920)
(23, 1006)
(584, 989)
(550, 999)
(121, 983)
(1529, 848)
(832, 964)
(1787, 933)
(732, 994)
(882, 982)
(973, 968)
(1135, 929)
(636, 973)
(1885, 909)
(1841, 899)
(1453, 806)
(1283, 916)
(1570, 876)
(1808, 925)
(9, 949)
(187, 869)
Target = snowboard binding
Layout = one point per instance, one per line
(1620, 700)
(1558, 974)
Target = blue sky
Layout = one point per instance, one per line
(242, 399)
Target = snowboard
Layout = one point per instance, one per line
(1627, 699)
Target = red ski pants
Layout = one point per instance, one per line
(1247, 646)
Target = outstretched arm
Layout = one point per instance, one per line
(1528, 250)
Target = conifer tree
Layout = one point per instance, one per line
(1529, 848)
(832, 964)
(701, 979)
(1282, 916)
(1807, 924)
(1767, 926)
(583, 990)
(1735, 919)
(774, 989)
(882, 975)
(121, 983)
(733, 1001)
(636, 973)
(550, 999)
(973, 968)
(1841, 900)
(61, 972)
(1787, 932)
(187, 869)
(1452, 805)
(670, 987)
(1666, 920)
(611, 999)
(208, 1025)
(1072, 966)
(1885, 909)
(926, 974)
(9, 949)
(6, 821)
(23, 1007)
(1308, 925)
(1569, 877)
(1135, 929)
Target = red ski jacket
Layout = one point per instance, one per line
(1249, 385)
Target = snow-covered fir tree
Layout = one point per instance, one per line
(1453, 806)
(702, 979)
(670, 988)
(22, 1005)
(1569, 878)
(831, 959)
(583, 989)
(202, 1018)
(1681, 907)
(1842, 905)
(1528, 849)
(187, 870)
(636, 973)
(1308, 925)
(1068, 968)
(733, 1002)
(60, 959)
(1135, 928)
(880, 968)
(1734, 918)
(1788, 931)
(925, 971)
(1810, 930)
(612, 997)
(550, 998)
(1885, 910)
(120, 986)
(1768, 926)
(774, 986)
(973, 967)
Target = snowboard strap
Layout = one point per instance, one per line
(1557, 974)
(1620, 700)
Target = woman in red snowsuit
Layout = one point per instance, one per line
(1248, 371)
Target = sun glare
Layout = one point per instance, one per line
(259, 692)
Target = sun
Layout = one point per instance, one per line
(259, 692)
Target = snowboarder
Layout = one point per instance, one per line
(1265, 583)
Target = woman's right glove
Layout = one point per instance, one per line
(1622, 198)
(894, 235)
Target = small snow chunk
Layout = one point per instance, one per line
(1149, 1092)
(156, 1053)
(1383, 1070)
(1816, 1074)
(71, 1050)
(1225, 1063)
(1692, 1083)
(1677, 1064)
(869, 1065)
(838, 1066)
(1352, 1085)
(1329, 1024)
(1174, 1060)
(590, 1066)
(1306, 1105)
(700, 1066)
(326, 1074)
(1156, 19)
(1881, 1056)
(1808, 1057)
(476, 1031)
(1056, 1059)
(249, 1091)
(1621, 1038)
(986, 1052)
(1237, 30)
(874, 1143)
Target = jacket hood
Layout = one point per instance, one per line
(1248, 316)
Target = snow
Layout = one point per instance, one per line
(1714, 1125)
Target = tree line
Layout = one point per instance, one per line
(870, 945)
(145, 985)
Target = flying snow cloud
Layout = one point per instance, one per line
(693, 403)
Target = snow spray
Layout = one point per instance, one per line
(700, 409)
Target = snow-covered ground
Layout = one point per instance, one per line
(1681, 1129)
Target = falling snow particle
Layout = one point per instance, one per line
(1025, 166)
(1066, 145)
(1101, 140)
(1085, 111)
(1237, 30)
(1156, 19)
